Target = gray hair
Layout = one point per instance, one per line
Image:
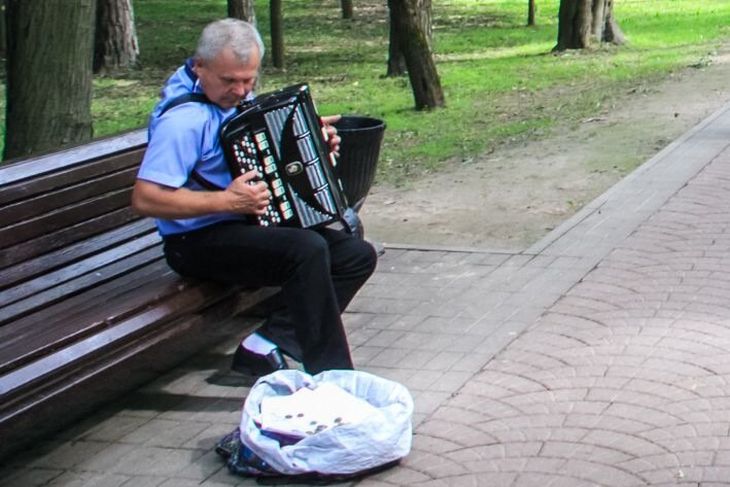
(241, 37)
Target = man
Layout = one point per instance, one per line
(207, 233)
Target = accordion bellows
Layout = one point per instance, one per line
(280, 136)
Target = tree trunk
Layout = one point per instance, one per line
(396, 59)
(3, 29)
(277, 34)
(424, 11)
(417, 54)
(611, 31)
(581, 23)
(530, 13)
(347, 11)
(49, 77)
(598, 12)
(115, 42)
(242, 9)
(574, 24)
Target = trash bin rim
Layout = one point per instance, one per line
(366, 123)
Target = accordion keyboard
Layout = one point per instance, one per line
(245, 153)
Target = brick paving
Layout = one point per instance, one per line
(597, 357)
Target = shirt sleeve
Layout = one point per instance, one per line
(174, 147)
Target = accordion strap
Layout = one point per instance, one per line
(198, 98)
(185, 98)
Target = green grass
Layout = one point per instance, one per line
(501, 81)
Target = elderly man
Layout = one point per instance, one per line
(204, 215)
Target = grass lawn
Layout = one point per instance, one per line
(501, 80)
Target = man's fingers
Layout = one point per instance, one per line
(331, 119)
(248, 176)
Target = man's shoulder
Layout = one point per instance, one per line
(185, 106)
(190, 115)
(193, 99)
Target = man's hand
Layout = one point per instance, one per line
(332, 138)
(247, 195)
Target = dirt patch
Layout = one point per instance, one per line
(512, 197)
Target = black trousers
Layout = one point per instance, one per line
(319, 272)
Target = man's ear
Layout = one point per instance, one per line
(197, 63)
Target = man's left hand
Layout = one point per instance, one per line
(332, 138)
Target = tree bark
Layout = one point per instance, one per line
(598, 15)
(531, 13)
(347, 10)
(49, 74)
(582, 23)
(242, 9)
(3, 29)
(419, 60)
(115, 42)
(574, 24)
(396, 60)
(611, 31)
(277, 34)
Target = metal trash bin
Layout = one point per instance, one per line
(362, 138)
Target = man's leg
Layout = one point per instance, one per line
(352, 260)
(297, 260)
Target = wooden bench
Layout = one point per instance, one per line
(88, 307)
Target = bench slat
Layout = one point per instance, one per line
(67, 255)
(64, 217)
(71, 287)
(66, 236)
(127, 146)
(93, 267)
(51, 201)
(29, 344)
(86, 313)
(118, 343)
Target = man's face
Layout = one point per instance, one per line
(226, 80)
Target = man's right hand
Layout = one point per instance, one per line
(249, 195)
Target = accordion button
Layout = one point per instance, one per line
(294, 168)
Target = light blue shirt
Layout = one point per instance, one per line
(184, 138)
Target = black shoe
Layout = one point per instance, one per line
(229, 444)
(249, 363)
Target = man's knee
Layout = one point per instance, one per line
(360, 258)
(370, 256)
(352, 255)
(312, 246)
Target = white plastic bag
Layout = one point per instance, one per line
(345, 449)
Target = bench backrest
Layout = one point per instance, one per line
(64, 207)
(89, 307)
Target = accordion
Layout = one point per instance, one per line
(280, 136)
